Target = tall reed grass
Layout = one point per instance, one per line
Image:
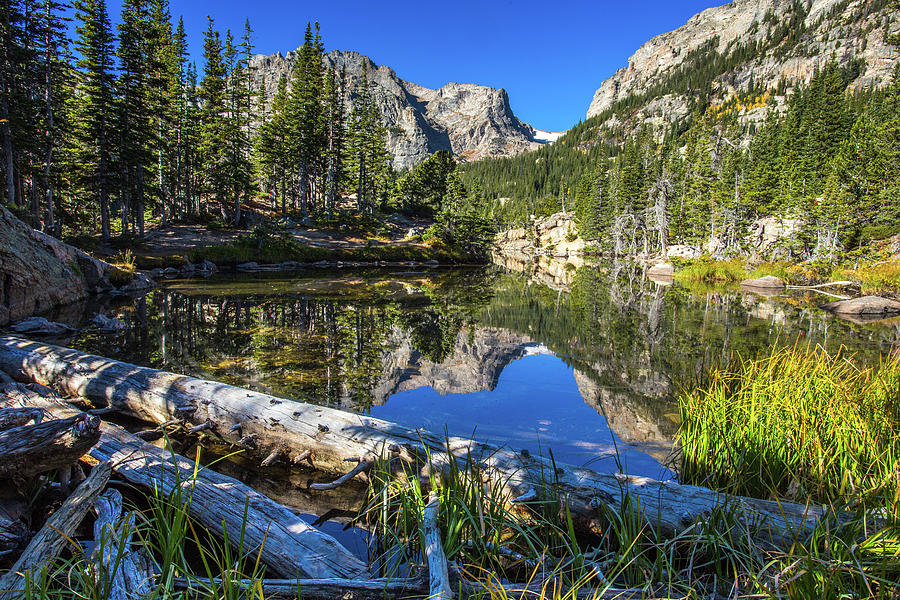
(797, 424)
(806, 426)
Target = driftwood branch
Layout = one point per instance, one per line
(361, 467)
(818, 288)
(412, 589)
(438, 573)
(285, 543)
(56, 532)
(125, 573)
(32, 449)
(822, 285)
(267, 422)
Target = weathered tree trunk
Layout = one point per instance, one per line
(438, 574)
(56, 533)
(16, 417)
(32, 449)
(125, 573)
(289, 546)
(335, 437)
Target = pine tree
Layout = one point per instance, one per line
(304, 115)
(166, 52)
(57, 87)
(213, 119)
(136, 135)
(95, 104)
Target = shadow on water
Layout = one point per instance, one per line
(583, 360)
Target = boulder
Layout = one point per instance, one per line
(769, 282)
(105, 324)
(683, 251)
(208, 266)
(866, 306)
(248, 266)
(39, 273)
(41, 326)
(141, 282)
(661, 270)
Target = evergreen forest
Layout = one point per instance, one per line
(825, 160)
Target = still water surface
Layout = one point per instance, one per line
(587, 365)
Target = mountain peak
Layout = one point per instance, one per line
(759, 42)
(471, 121)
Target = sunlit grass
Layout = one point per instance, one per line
(875, 278)
(789, 273)
(124, 268)
(711, 271)
(798, 423)
(806, 426)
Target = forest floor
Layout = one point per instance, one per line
(180, 239)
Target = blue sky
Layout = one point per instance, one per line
(549, 55)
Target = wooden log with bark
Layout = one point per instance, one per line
(286, 544)
(56, 532)
(33, 449)
(265, 423)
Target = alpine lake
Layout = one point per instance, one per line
(586, 363)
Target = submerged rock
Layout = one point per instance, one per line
(661, 270)
(41, 326)
(866, 306)
(105, 324)
(769, 282)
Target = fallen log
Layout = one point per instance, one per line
(32, 449)
(16, 417)
(413, 589)
(56, 532)
(265, 423)
(438, 573)
(286, 543)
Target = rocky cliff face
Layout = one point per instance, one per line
(39, 273)
(471, 121)
(754, 42)
(556, 236)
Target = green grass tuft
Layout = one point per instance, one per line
(711, 271)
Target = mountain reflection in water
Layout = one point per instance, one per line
(587, 368)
